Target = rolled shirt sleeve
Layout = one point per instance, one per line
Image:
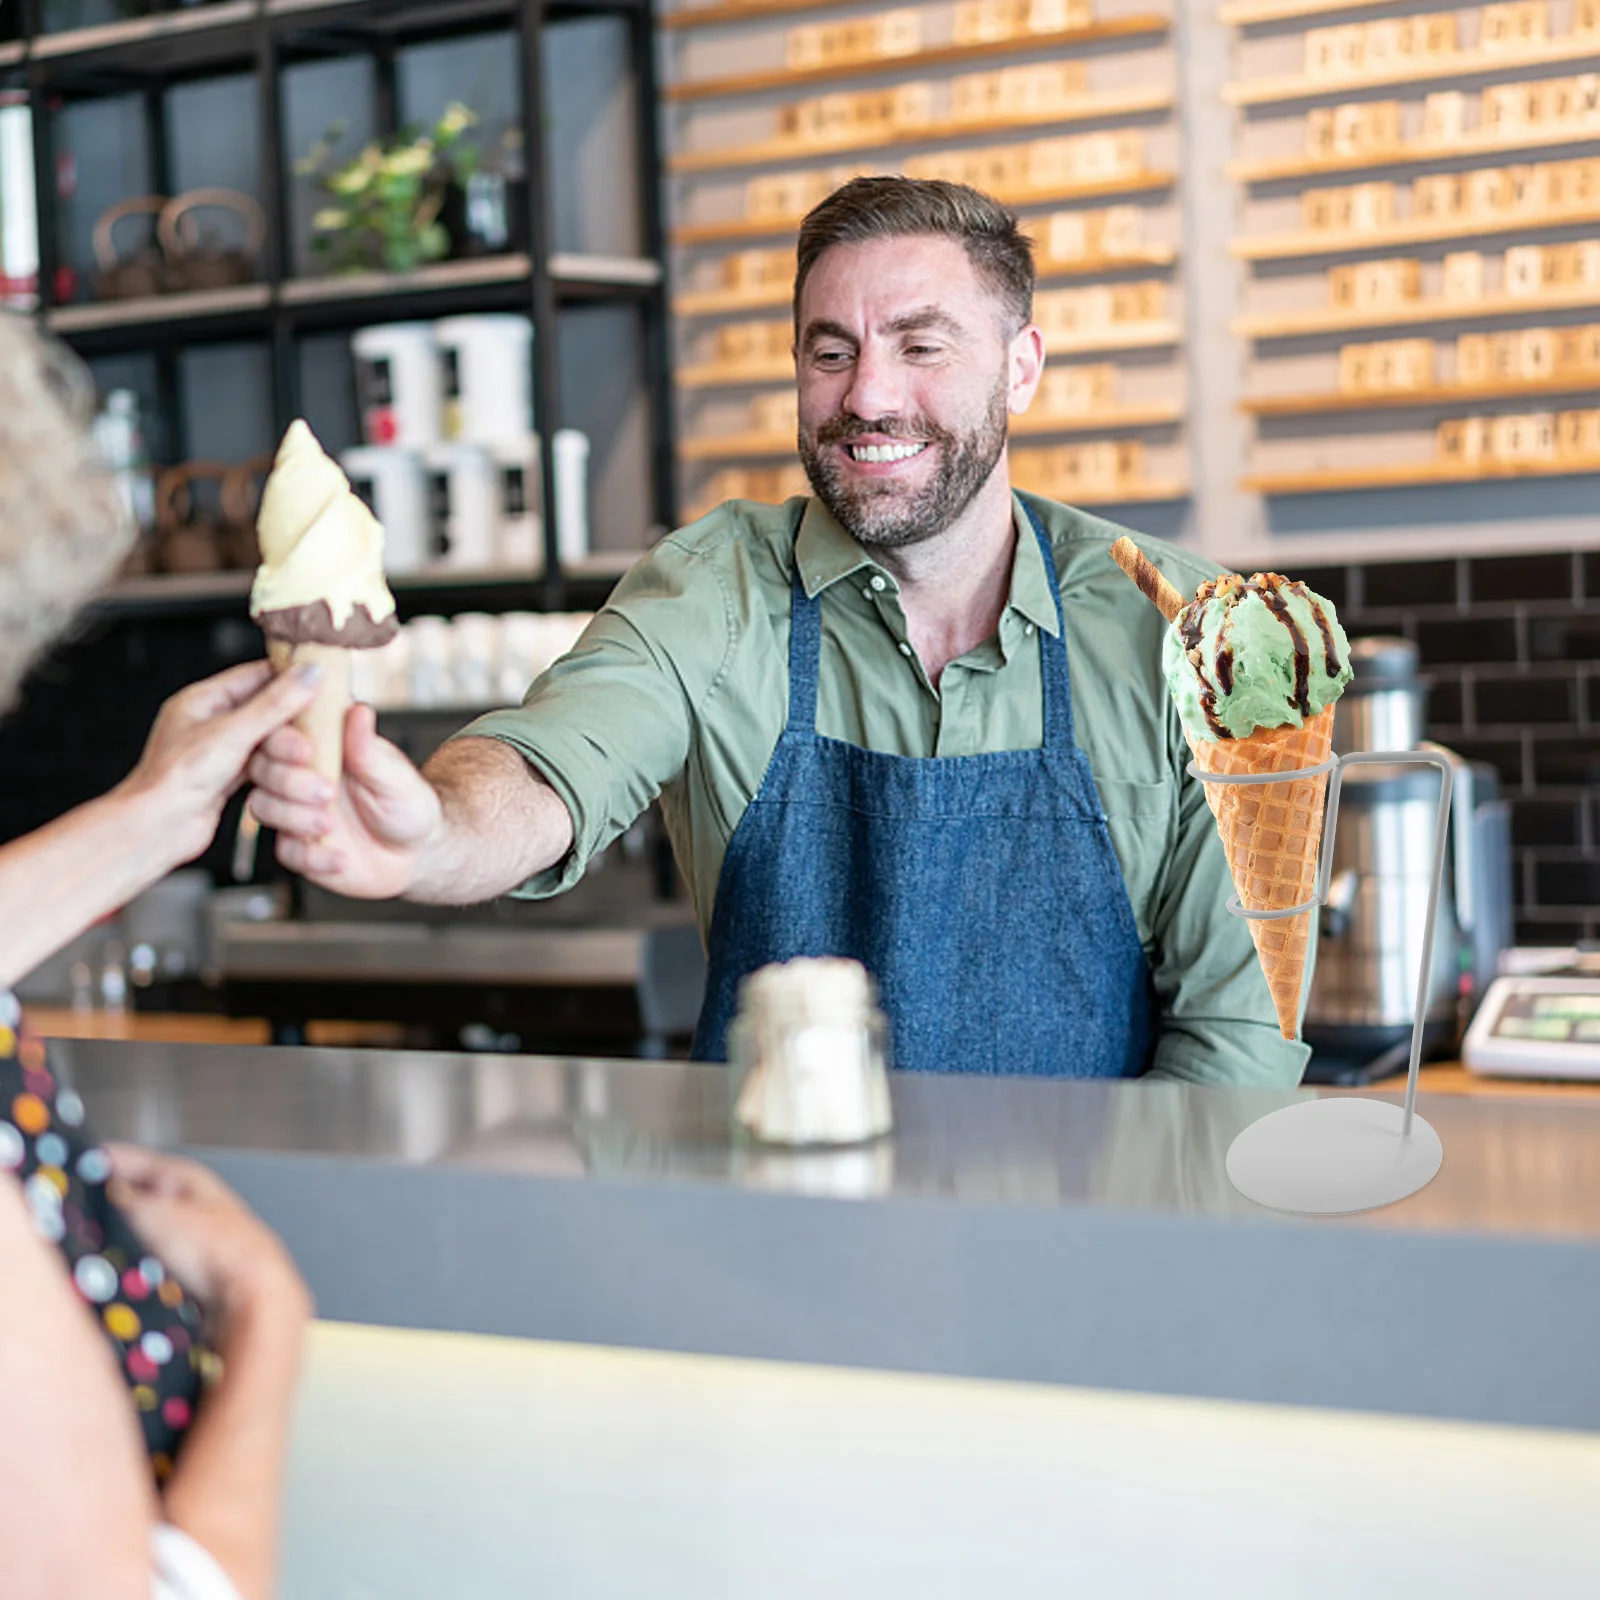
(610, 725)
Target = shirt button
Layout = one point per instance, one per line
(866, 594)
(879, 583)
(905, 649)
(1028, 630)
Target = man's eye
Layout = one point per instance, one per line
(920, 350)
(831, 358)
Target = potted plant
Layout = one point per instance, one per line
(385, 206)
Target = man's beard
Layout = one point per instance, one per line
(886, 514)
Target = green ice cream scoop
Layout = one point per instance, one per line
(1254, 653)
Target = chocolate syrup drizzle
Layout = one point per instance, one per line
(1189, 634)
(1279, 607)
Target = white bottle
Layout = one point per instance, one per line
(120, 441)
(570, 452)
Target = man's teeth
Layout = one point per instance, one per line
(885, 452)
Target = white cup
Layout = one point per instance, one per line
(476, 658)
(397, 378)
(430, 662)
(393, 484)
(570, 463)
(519, 540)
(486, 377)
(462, 515)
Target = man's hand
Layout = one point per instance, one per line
(221, 1252)
(202, 740)
(364, 838)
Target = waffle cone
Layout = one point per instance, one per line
(1270, 832)
(322, 722)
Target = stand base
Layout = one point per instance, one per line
(1328, 1157)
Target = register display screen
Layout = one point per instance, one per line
(1553, 1018)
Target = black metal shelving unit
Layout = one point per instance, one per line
(172, 45)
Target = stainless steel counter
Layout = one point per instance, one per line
(1079, 1233)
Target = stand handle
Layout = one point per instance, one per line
(1441, 838)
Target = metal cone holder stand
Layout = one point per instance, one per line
(1342, 1153)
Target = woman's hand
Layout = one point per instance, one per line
(364, 838)
(230, 1260)
(202, 742)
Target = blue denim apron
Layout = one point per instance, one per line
(982, 892)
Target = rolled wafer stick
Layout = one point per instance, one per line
(322, 722)
(1167, 600)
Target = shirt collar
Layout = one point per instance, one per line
(825, 553)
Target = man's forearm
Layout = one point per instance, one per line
(501, 824)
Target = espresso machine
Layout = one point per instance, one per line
(1363, 989)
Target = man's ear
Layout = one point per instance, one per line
(1024, 369)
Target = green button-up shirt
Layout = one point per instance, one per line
(679, 689)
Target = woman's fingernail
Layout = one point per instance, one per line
(309, 673)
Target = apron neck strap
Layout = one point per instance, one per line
(1054, 675)
(805, 653)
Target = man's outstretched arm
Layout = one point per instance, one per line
(475, 823)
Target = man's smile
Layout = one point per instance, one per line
(885, 454)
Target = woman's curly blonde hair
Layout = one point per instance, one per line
(63, 527)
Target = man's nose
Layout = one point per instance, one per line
(877, 387)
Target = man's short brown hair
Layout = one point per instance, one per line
(898, 208)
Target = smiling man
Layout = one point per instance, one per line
(917, 719)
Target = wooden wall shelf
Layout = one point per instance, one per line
(726, 302)
(1445, 394)
(135, 30)
(1414, 154)
(736, 11)
(1345, 479)
(1112, 419)
(1084, 108)
(779, 227)
(1141, 336)
(1242, 13)
(1436, 69)
(1412, 314)
(1147, 23)
(1155, 492)
(1290, 246)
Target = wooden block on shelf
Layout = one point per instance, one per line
(1463, 277)
(1438, 195)
(1536, 354)
(1522, 275)
(749, 271)
(1586, 17)
(1444, 117)
(1461, 441)
(1429, 38)
(1487, 192)
(1375, 285)
(774, 413)
(1512, 27)
(1138, 302)
(1119, 231)
(1473, 363)
(1569, 433)
(1078, 390)
(818, 46)
(1334, 53)
(1505, 358)
(1319, 139)
(1355, 368)
(1523, 436)
(745, 344)
(1590, 348)
(1591, 434)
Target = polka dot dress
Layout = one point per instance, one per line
(153, 1325)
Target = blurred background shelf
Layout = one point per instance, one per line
(1243, 13)
(1081, 109)
(1342, 479)
(1416, 153)
(1449, 394)
(1296, 246)
(1414, 313)
(1140, 26)
(1419, 70)
(779, 227)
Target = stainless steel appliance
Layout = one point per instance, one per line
(1359, 1014)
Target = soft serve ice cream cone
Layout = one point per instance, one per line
(319, 592)
(1255, 666)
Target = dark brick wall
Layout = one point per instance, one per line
(1510, 648)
